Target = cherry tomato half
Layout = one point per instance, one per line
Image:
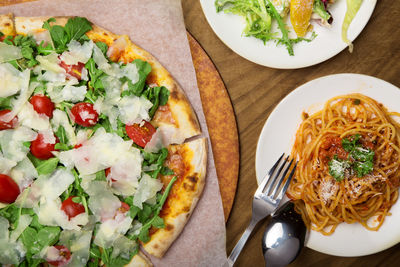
(85, 114)
(64, 255)
(71, 208)
(124, 207)
(9, 189)
(7, 125)
(141, 135)
(42, 105)
(42, 150)
(73, 70)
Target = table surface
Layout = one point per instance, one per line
(255, 90)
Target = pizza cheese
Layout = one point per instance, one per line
(93, 159)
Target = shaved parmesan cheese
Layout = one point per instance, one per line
(12, 252)
(57, 183)
(73, 93)
(79, 246)
(60, 118)
(23, 222)
(112, 229)
(9, 52)
(43, 36)
(49, 213)
(53, 254)
(46, 188)
(26, 91)
(101, 61)
(11, 142)
(102, 202)
(4, 225)
(101, 151)
(48, 136)
(131, 72)
(5, 164)
(134, 109)
(117, 47)
(123, 247)
(156, 142)
(30, 118)
(148, 188)
(11, 79)
(50, 63)
(77, 53)
(24, 173)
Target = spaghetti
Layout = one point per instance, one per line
(349, 158)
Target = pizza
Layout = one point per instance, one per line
(95, 169)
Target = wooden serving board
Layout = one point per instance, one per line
(221, 123)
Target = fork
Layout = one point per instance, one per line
(266, 200)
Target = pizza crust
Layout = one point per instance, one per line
(183, 197)
(7, 24)
(140, 260)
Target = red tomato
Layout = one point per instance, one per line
(71, 208)
(7, 125)
(63, 258)
(124, 207)
(141, 135)
(73, 70)
(42, 105)
(42, 150)
(9, 189)
(85, 114)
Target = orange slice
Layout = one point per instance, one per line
(300, 14)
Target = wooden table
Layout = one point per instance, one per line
(255, 90)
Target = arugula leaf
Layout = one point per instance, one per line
(103, 47)
(101, 176)
(62, 135)
(158, 96)
(5, 102)
(76, 27)
(48, 235)
(144, 68)
(44, 167)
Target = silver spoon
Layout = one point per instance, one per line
(284, 237)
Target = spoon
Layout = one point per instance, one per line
(284, 236)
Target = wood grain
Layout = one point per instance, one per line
(255, 90)
(221, 123)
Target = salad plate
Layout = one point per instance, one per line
(327, 43)
(278, 135)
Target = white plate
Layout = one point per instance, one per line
(327, 44)
(278, 134)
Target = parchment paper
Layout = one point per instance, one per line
(158, 27)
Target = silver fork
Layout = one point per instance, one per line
(266, 200)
